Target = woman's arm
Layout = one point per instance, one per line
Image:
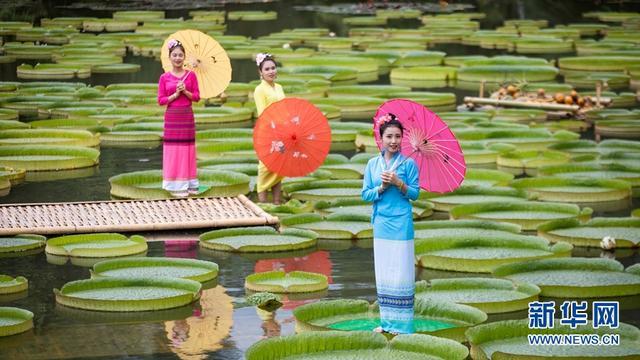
(370, 192)
(260, 99)
(194, 94)
(163, 99)
(410, 188)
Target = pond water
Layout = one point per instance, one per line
(220, 325)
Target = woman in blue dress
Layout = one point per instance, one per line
(390, 181)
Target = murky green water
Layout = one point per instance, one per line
(219, 326)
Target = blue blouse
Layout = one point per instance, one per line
(392, 202)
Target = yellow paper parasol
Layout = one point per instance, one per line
(205, 57)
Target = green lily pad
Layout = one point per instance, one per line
(626, 231)
(280, 282)
(421, 209)
(48, 137)
(483, 251)
(21, 243)
(324, 190)
(594, 171)
(14, 321)
(574, 190)
(356, 345)
(486, 177)
(527, 161)
(128, 294)
(334, 226)
(439, 318)
(472, 194)
(574, 277)
(147, 184)
(96, 245)
(10, 285)
(528, 214)
(489, 295)
(47, 157)
(509, 340)
(191, 269)
(257, 239)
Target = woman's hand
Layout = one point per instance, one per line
(180, 87)
(391, 178)
(386, 178)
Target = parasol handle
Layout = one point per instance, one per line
(407, 157)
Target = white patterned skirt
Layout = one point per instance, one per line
(395, 282)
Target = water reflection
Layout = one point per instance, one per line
(205, 330)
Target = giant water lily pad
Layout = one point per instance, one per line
(334, 226)
(486, 177)
(21, 243)
(489, 295)
(48, 137)
(147, 184)
(324, 190)
(356, 345)
(257, 239)
(280, 282)
(47, 157)
(528, 214)
(480, 252)
(528, 161)
(10, 285)
(438, 228)
(509, 340)
(14, 321)
(594, 171)
(574, 190)
(574, 277)
(444, 319)
(192, 269)
(472, 194)
(96, 245)
(128, 294)
(421, 209)
(626, 231)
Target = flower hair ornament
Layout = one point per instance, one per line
(385, 119)
(173, 43)
(262, 57)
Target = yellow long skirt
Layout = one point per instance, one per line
(266, 178)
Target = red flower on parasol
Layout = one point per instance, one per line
(292, 137)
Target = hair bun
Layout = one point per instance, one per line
(173, 43)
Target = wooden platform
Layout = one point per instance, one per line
(131, 215)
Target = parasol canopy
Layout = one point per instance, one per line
(205, 57)
(429, 141)
(292, 137)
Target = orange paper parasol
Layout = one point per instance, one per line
(205, 57)
(292, 137)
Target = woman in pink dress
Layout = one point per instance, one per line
(177, 89)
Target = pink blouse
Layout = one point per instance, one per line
(167, 86)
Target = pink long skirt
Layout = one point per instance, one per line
(179, 171)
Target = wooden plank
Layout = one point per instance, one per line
(131, 215)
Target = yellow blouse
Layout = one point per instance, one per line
(265, 95)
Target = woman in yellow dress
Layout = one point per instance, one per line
(264, 95)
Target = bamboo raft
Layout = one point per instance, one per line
(131, 215)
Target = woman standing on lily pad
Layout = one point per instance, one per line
(390, 182)
(264, 95)
(177, 89)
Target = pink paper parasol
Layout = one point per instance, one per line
(429, 141)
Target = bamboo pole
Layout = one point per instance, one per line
(520, 104)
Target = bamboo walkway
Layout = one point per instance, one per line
(131, 215)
